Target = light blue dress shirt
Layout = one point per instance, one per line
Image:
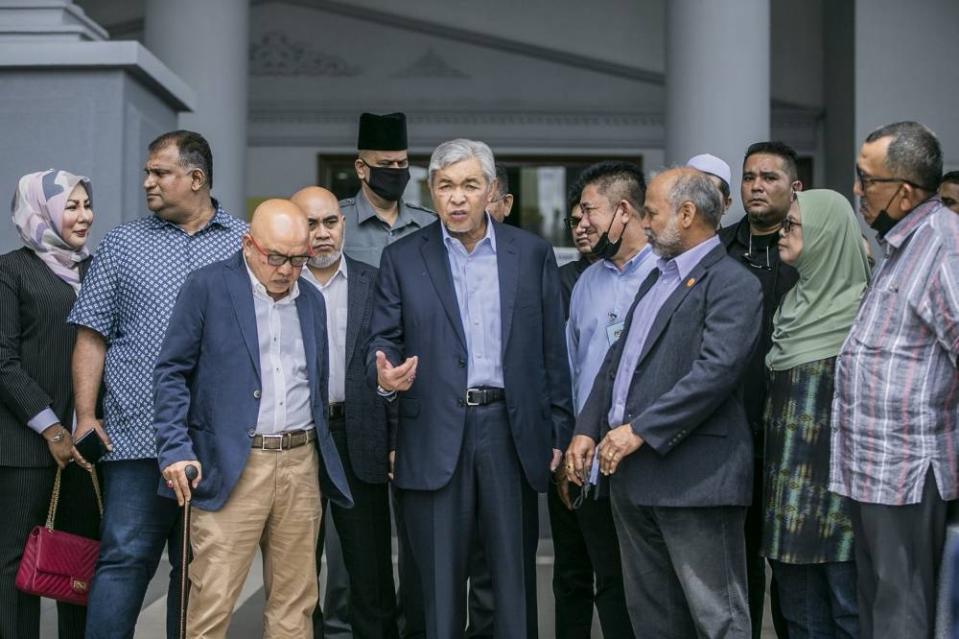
(598, 307)
(671, 273)
(476, 280)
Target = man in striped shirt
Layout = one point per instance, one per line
(895, 412)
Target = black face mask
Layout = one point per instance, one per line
(884, 222)
(605, 249)
(388, 183)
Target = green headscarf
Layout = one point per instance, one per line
(816, 314)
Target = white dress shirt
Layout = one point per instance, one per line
(334, 294)
(285, 392)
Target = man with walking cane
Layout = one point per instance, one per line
(241, 394)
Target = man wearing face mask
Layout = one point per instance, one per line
(897, 384)
(584, 537)
(377, 216)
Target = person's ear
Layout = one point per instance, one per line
(360, 167)
(687, 213)
(198, 178)
(796, 186)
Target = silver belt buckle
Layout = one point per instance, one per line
(468, 392)
(270, 437)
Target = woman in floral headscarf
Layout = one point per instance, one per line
(38, 285)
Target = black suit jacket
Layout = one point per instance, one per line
(415, 312)
(685, 398)
(367, 437)
(36, 345)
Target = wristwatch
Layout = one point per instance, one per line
(385, 394)
(56, 439)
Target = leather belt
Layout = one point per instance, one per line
(336, 410)
(286, 441)
(484, 395)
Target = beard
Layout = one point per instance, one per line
(667, 244)
(325, 261)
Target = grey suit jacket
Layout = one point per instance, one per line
(685, 398)
(367, 435)
(36, 345)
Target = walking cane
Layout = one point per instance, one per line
(191, 474)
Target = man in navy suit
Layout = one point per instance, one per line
(241, 394)
(357, 420)
(667, 405)
(468, 338)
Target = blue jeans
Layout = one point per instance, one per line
(818, 600)
(137, 523)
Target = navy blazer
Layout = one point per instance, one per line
(415, 313)
(207, 382)
(685, 398)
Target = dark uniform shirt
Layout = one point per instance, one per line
(367, 234)
(776, 279)
(568, 275)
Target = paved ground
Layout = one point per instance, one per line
(246, 622)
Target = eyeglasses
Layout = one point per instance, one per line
(571, 222)
(277, 260)
(788, 225)
(865, 181)
(750, 259)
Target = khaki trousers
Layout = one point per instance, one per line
(275, 505)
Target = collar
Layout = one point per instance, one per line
(905, 227)
(220, 218)
(341, 271)
(260, 291)
(451, 241)
(632, 263)
(688, 259)
(364, 211)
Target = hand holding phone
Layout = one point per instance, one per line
(90, 447)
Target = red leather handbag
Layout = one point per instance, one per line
(57, 564)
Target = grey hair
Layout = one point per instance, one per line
(696, 187)
(460, 149)
(914, 153)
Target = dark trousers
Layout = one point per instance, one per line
(412, 613)
(487, 496)
(898, 555)
(684, 570)
(584, 544)
(364, 532)
(818, 600)
(24, 502)
(480, 595)
(137, 524)
(756, 564)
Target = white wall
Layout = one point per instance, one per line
(906, 67)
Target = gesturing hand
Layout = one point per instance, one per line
(395, 378)
(618, 443)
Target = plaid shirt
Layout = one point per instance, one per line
(895, 410)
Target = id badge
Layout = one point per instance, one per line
(613, 331)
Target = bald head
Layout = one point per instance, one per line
(682, 209)
(326, 225)
(316, 200)
(278, 228)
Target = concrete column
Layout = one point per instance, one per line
(717, 81)
(206, 43)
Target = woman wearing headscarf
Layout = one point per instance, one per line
(38, 285)
(807, 532)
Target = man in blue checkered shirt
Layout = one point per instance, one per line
(121, 315)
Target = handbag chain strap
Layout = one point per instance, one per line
(55, 497)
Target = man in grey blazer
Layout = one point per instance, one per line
(357, 418)
(667, 411)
